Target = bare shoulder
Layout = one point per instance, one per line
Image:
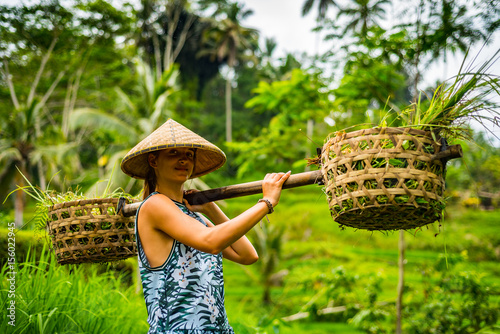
(156, 201)
(162, 214)
(159, 207)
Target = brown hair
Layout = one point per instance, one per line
(150, 180)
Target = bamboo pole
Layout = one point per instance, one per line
(237, 190)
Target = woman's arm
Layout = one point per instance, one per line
(242, 250)
(164, 216)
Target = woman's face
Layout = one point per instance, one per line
(174, 163)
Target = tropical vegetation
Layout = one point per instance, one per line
(82, 81)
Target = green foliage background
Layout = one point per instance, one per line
(82, 81)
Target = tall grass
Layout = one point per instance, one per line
(470, 95)
(50, 298)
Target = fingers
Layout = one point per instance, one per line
(278, 176)
(190, 191)
(272, 185)
(276, 179)
(283, 177)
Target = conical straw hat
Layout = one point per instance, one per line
(172, 134)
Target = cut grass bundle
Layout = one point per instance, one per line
(84, 230)
(467, 96)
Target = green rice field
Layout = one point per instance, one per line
(323, 279)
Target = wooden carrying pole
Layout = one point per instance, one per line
(237, 190)
(252, 188)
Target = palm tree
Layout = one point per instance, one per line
(269, 70)
(270, 47)
(440, 27)
(322, 5)
(17, 143)
(363, 14)
(228, 41)
(42, 43)
(27, 151)
(133, 120)
(23, 144)
(167, 25)
(455, 31)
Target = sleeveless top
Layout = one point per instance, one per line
(186, 293)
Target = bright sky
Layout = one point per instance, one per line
(282, 20)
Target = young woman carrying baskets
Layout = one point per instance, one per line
(181, 250)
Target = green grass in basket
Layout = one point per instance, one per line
(466, 96)
(45, 199)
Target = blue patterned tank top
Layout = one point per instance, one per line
(186, 293)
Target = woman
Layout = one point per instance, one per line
(180, 251)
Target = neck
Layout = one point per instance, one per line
(175, 192)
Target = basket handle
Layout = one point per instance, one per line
(237, 190)
(451, 152)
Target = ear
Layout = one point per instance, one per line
(152, 160)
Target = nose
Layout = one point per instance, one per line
(183, 157)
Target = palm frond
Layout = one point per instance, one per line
(9, 154)
(100, 120)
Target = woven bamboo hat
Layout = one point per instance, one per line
(172, 134)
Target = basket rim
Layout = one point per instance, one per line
(111, 200)
(378, 129)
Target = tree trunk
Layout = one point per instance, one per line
(266, 296)
(310, 133)
(171, 52)
(157, 55)
(70, 99)
(401, 282)
(8, 78)
(229, 121)
(181, 40)
(38, 75)
(19, 199)
(41, 175)
(19, 207)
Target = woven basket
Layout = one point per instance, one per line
(90, 231)
(383, 178)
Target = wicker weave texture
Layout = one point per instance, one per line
(383, 178)
(90, 231)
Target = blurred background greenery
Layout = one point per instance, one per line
(82, 81)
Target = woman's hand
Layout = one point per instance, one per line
(272, 185)
(205, 208)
